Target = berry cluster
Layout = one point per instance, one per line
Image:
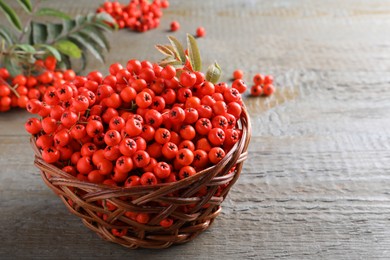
(140, 125)
(263, 84)
(17, 91)
(138, 15)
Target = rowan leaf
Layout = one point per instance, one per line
(193, 53)
(105, 18)
(83, 62)
(38, 33)
(6, 35)
(52, 12)
(12, 66)
(50, 49)
(68, 48)
(67, 27)
(172, 62)
(25, 47)
(82, 40)
(65, 62)
(26, 4)
(178, 47)
(54, 30)
(164, 50)
(80, 20)
(97, 36)
(11, 15)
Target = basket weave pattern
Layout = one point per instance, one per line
(192, 213)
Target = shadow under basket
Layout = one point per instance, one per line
(102, 208)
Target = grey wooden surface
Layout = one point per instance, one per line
(316, 184)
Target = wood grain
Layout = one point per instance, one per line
(316, 183)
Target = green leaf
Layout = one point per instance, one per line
(97, 36)
(68, 48)
(83, 62)
(11, 65)
(103, 26)
(172, 62)
(51, 49)
(53, 31)
(193, 53)
(105, 17)
(6, 35)
(178, 48)
(11, 15)
(67, 26)
(26, 4)
(25, 47)
(52, 12)
(81, 40)
(91, 17)
(64, 63)
(38, 33)
(80, 19)
(213, 73)
(164, 50)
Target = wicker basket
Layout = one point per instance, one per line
(81, 199)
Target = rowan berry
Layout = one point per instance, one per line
(258, 79)
(33, 126)
(268, 80)
(200, 32)
(240, 85)
(187, 79)
(141, 158)
(186, 171)
(128, 147)
(216, 136)
(256, 90)
(132, 181)
(175, 26)
(166, 222)
(216, 154)
(268, 90)
(84, 165)
(168, 72)
(185, 156)
(238, 74)
(95, 176)
(201, 159)
(50, 155)
(148, 178)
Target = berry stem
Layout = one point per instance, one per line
(13, 89)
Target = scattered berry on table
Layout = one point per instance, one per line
(200, 32)
(175, 26)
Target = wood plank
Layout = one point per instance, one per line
(315, 184)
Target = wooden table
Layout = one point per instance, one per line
(316, 183)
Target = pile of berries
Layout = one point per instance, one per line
(17, 91)
(140, 125)
(263, 84)
(138, 15)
